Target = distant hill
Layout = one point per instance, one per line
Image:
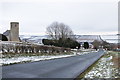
(111, 38)
(88, 38)
(80, 38)
(32, 38)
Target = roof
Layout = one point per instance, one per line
(6, 33)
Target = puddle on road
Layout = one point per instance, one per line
(103, 68)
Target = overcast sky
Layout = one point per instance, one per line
(83, 17)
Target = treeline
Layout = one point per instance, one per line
(67, 43)
(31, 48)
(104, 45)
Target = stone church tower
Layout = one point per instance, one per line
(14, 31)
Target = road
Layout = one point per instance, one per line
(69, 67)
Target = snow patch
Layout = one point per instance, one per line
(31, 58)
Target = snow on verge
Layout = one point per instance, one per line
(13, 60)
(31, 59)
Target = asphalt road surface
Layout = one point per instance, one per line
(69, 67)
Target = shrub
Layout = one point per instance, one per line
(67, 43)
(86, 45)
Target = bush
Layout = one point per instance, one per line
(3, 37)
(67, 43)
(86, 45)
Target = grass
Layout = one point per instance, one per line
(14, 55)
(10, 55)
(115, 60)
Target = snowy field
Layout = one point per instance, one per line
(104, 68)
(22, 59)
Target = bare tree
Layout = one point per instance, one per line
(96, 44)
(52, 30)
(59, 30)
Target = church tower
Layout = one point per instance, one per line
(14, 31)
